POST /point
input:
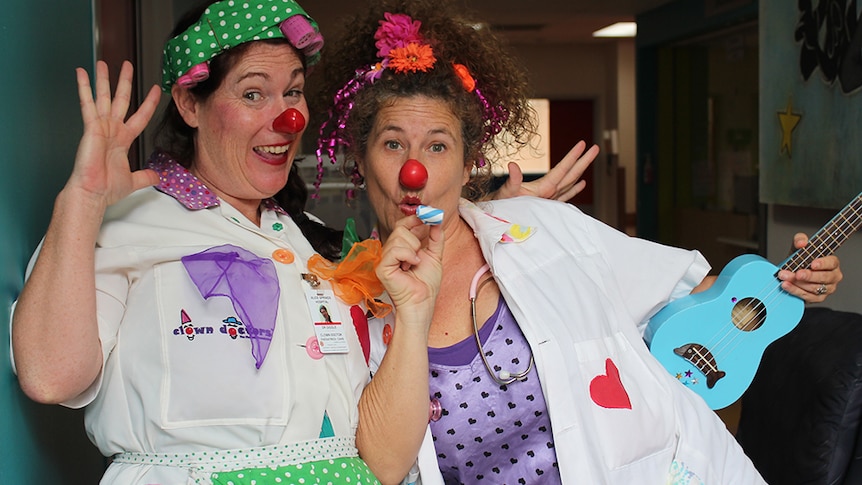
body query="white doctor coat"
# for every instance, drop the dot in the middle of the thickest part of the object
(582, 293)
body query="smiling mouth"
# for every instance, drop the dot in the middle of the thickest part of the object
(408, 205)
(273, 149)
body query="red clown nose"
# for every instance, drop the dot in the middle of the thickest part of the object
(413, 175)
(291, 121)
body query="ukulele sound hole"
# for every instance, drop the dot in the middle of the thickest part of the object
(748, 314)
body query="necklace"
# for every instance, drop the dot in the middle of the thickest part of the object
(503, 377)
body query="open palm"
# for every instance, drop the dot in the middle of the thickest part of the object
(102, 163)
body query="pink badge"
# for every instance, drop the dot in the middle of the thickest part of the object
(387, 334)
(313, 348)
(436, 411)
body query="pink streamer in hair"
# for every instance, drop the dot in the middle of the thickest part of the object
(332, 130)
(495, 117)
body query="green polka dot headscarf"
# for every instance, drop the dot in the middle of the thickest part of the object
(228, 23)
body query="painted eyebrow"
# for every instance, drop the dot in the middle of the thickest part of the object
(441, 131)
(435, 131)
(254, 74)
(394, 128)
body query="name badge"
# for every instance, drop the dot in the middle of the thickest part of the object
(328, 327)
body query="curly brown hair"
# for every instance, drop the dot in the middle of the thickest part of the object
(455, 39)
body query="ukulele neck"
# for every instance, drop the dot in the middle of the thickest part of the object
(827, 240)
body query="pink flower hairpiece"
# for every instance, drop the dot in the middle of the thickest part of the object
(400, 47)
(396, 31)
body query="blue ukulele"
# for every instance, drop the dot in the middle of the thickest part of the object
(713, 341)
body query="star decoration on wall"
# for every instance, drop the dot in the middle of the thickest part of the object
(788, 120)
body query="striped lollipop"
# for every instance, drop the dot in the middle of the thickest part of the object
(429, 215)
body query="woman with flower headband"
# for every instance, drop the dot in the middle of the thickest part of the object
(533, 360)
(194, 333)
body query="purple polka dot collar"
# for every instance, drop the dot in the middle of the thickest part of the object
(176, 181)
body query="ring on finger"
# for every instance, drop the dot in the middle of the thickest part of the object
(821, 289)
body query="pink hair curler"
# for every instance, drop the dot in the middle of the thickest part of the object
(291, 121)
(299, 31)
(194, 75)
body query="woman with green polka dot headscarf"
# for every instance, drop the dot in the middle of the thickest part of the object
(187, 379)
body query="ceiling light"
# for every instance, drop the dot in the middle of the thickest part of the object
(619, 29)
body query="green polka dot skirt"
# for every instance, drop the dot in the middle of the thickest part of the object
(325, 472)
(332, 460)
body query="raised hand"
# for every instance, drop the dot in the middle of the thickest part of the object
(101, 168)
(411, 269)
(560, 183)
(55, 334)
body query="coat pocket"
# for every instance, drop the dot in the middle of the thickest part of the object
(630, 416)
(209, 373)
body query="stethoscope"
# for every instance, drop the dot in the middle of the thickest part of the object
(504, 377)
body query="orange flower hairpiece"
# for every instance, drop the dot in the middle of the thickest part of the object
(466, 78)
(411, 58)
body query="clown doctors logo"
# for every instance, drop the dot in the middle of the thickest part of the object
(233, 328)
(230, 327)
(187, 327)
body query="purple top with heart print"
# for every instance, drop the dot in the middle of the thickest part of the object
(487, 432)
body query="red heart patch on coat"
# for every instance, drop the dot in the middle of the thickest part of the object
(607, 390)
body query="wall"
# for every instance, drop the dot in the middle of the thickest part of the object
(627, 119)
(157, 18)
(685, 19)
(39, 129)
(810, 115)
(656, 94)
(604, 72)
(822, 167)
